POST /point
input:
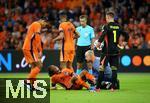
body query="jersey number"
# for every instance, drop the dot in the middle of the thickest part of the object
(115, 34)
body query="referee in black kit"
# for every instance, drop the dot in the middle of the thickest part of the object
(110, 53)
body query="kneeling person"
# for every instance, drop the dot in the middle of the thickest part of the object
(93, 62)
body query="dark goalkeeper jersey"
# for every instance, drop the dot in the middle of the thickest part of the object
(110, 34)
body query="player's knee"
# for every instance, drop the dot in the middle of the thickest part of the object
(33, 65)
(83, 74)
(39, 65)
(36, 64)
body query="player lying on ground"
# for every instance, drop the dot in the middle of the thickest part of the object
(69, 80)
(32, 48)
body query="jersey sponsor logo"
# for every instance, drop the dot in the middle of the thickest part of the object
(114, 27)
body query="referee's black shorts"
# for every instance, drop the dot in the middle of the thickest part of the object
(80, 53)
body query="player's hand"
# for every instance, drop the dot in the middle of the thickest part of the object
(120, 46)
(53, 88)
(53, 40)
(40, 55)
(124, 43)
(92, 46)
(97, 45)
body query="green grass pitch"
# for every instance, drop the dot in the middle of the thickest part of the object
(134, 88)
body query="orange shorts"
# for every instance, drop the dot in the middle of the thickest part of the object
(30, 56)
(67, 55)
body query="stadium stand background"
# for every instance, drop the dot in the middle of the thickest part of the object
(17, 15)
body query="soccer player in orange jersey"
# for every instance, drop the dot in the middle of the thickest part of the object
(67, 34)
(68, 79)
(62, 77)
(32, 48)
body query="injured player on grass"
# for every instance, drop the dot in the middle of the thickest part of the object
(69, 80)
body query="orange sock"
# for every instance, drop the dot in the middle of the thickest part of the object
(33, 73)
(89, 76)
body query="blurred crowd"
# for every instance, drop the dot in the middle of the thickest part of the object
(17, 15)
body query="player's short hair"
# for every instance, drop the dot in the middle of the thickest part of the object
(110, 13)
(44, 18)
(90, 52)
(83, 17)
(52, 69)
(63, 14)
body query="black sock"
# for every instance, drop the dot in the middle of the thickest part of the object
(114, 78)
(100, 79)
(91, 83)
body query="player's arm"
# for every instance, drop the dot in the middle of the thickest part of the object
(104, 32)
(125, 36)
(40, 48)
(92, 36)
(59, 37)
(55, 80)
(76, 34)
(102, 37)
(53, 86)
(61, 33)
(92, 43)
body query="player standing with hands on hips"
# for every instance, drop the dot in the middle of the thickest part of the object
(84, 42)
(111, 33)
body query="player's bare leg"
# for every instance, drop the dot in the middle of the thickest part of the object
(63, 64)
(69, 65)
(85, 74)
(35, 69)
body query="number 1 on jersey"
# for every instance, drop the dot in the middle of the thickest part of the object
(115, 34)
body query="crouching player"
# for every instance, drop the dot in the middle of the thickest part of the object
(69, 80)
(93, 62)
